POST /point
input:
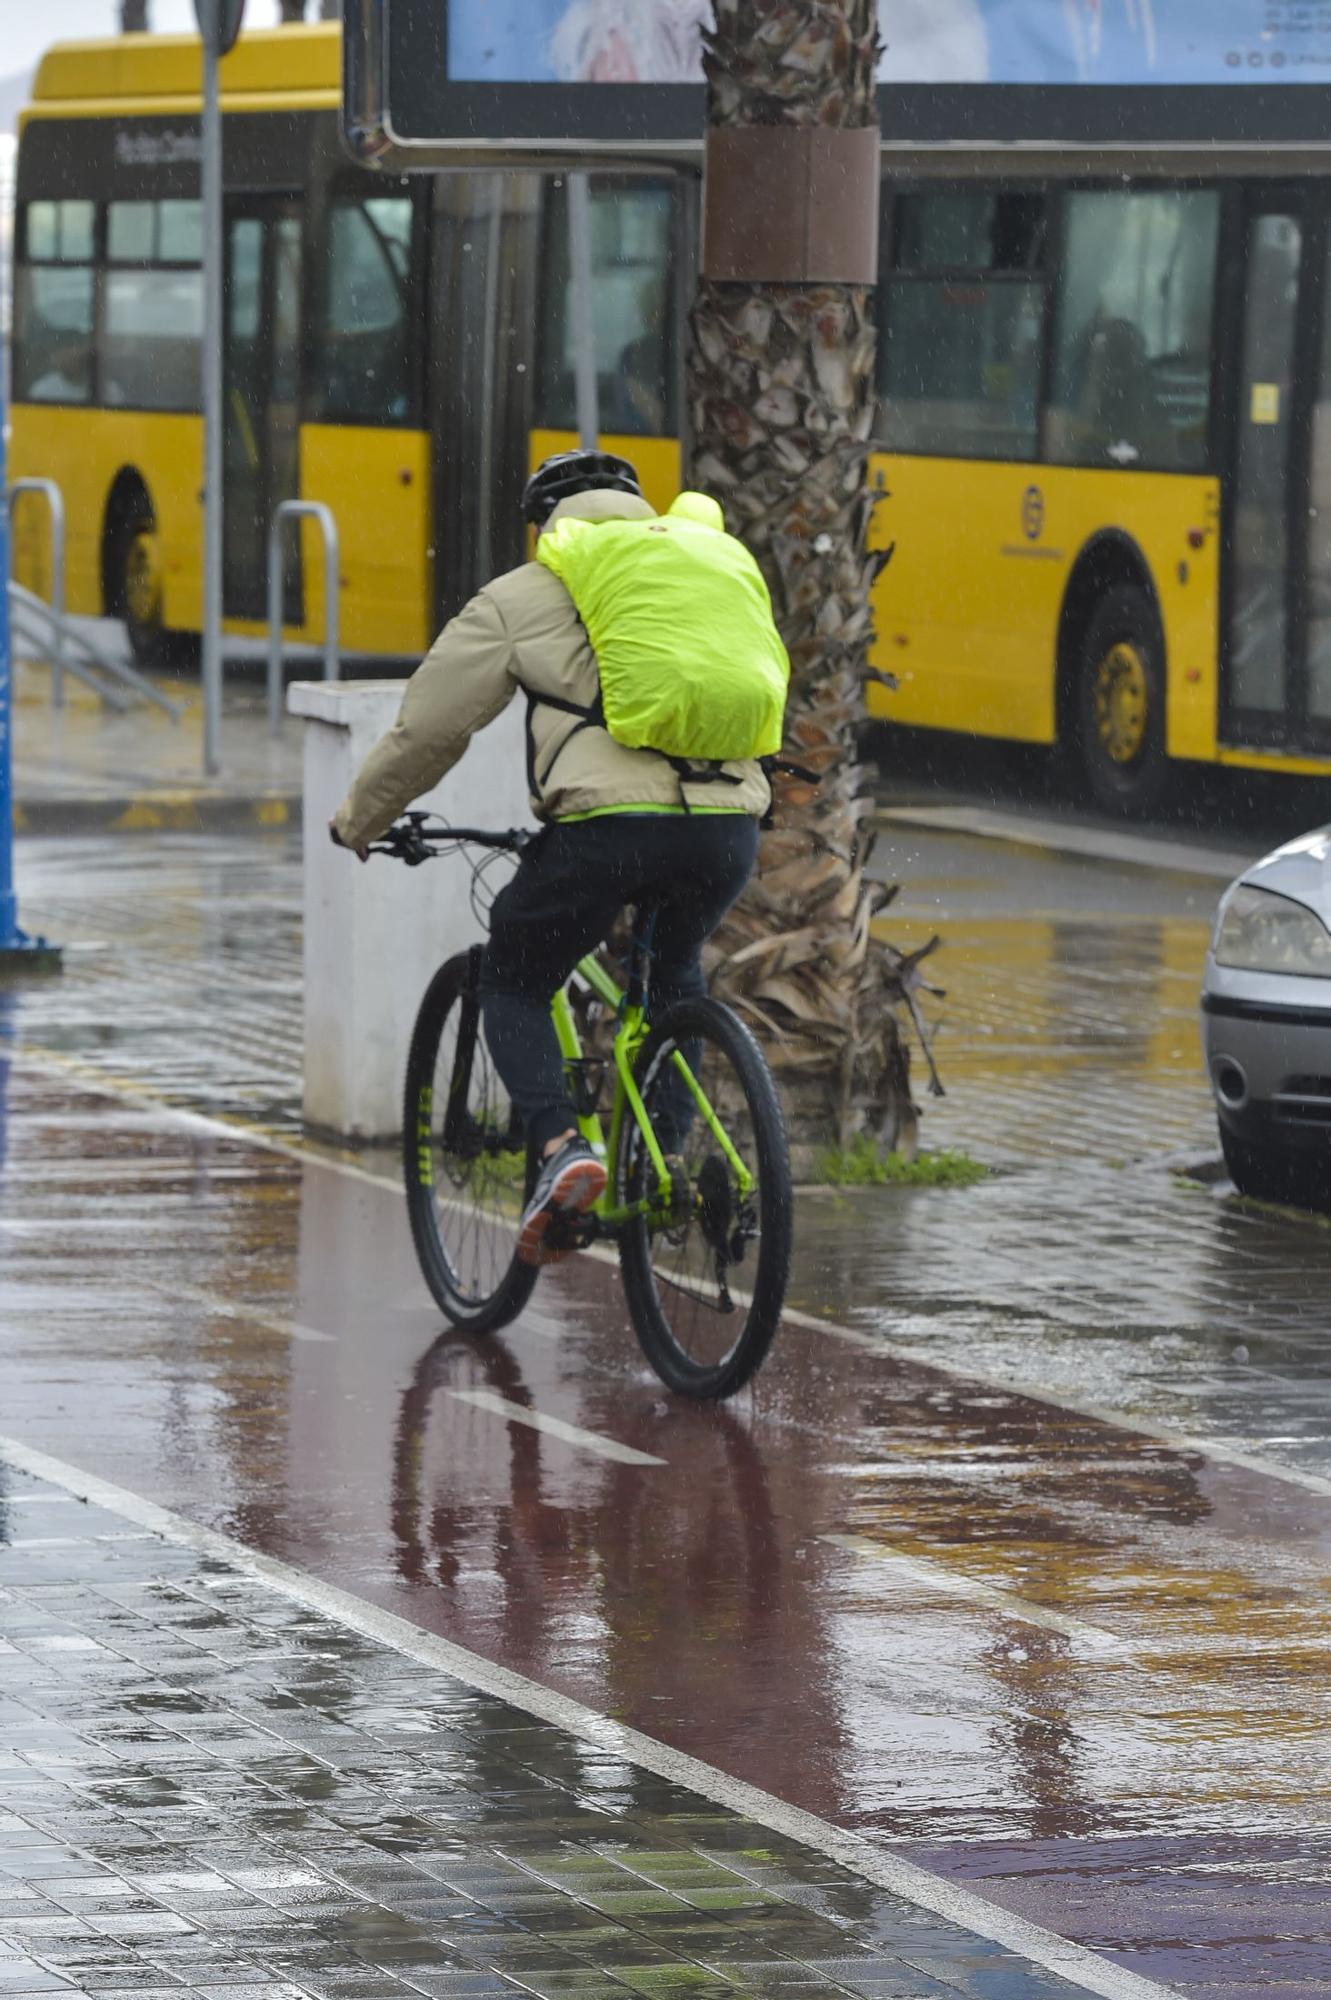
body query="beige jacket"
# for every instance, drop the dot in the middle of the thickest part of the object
(521, 634)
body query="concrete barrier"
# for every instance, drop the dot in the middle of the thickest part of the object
(376, 934)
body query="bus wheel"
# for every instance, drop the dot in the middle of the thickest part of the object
(136, 581)
(1120, 704)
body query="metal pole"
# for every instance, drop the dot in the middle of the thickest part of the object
(11, 937)
(584, 325)
(54, 499)
(275, 624)
(319, 512)
(16, 948)
(332, 605)
(212, 412)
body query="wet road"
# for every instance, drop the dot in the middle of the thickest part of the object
(1079, 1662)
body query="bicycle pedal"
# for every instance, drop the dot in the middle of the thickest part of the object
(569, 1233)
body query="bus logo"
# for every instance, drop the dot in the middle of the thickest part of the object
(1032, 513)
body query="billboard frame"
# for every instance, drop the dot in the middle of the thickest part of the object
(553, 124)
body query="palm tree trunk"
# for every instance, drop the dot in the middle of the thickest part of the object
(782, 396)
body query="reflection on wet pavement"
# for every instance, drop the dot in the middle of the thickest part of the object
(1069, 1028)
(1080, 1663)
(208, 1787)
(926, 1608)
(1140, 1292)
(182, 969)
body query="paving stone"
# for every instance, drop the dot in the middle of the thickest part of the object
(436, 1843)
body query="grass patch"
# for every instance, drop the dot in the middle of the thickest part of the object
(862, 1165)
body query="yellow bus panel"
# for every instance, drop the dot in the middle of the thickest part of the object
(968, 610)
(377, 483)
(268, 70)
(83, 451)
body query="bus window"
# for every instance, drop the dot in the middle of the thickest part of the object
(152, 318)
(1132, 350)
(1260, 579)
(1319, 536)
(362, 363)
(959, 369)
(632, 312)
(53, 304)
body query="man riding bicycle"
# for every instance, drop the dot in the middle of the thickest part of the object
(623, 823)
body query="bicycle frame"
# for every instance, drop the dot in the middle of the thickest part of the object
(629, 1038)
(414, 840)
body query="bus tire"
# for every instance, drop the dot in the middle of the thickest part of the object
(134, 577)
(1119, 703)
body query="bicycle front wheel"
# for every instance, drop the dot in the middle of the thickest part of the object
(705, 1274)
(465, 1161)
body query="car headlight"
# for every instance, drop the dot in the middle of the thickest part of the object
(1259, 931)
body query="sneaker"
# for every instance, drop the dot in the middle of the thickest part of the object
(570, 1182)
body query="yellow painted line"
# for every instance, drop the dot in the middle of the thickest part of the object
(938, 1578)
(537, 1420)
(290, 1329)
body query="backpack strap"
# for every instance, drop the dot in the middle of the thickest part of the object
(592, 717)
(696, 771)
(789, 770)
(770, 767)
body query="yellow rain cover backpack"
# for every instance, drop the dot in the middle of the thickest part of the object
(679, 618)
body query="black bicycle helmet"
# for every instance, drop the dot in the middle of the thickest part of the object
(569, 472)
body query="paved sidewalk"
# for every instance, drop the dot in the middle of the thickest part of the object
(207, 1788)
(84, 768)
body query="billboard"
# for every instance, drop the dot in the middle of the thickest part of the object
(429, 81)
(1044, 42)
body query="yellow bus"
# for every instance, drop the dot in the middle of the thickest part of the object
(399, 349)
(1105, 411)
(1108, 407)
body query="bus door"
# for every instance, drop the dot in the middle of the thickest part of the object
(1265, 679)
(260, 395)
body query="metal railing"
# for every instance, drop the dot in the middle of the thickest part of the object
(108, 678)
(296, 510)
(55, 503)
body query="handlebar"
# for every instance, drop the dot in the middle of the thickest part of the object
(419, 836)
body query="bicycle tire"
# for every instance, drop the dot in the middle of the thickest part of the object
(659, 1284)
(464, 1203)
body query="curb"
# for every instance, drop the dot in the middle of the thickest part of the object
(153, 812)
(1123, 848)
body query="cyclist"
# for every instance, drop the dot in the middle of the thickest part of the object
(621, 825)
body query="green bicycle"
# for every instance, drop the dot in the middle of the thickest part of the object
(698, 1194)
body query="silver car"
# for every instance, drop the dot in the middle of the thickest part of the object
(1266, 1024)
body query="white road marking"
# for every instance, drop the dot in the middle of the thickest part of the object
(289, 1329)
(1123, 1420)
(888, 1871)
(937, 1577)
(537, 1420)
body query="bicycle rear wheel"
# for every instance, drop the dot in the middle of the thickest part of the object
(705, 1284)
(464, 1159)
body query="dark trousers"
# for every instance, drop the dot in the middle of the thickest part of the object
(571, 885)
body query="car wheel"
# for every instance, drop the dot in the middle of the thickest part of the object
(1266, 1173)
(1119, 703)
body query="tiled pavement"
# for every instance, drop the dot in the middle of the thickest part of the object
(85, 767)
(1059, 1040)
(206, 1788)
